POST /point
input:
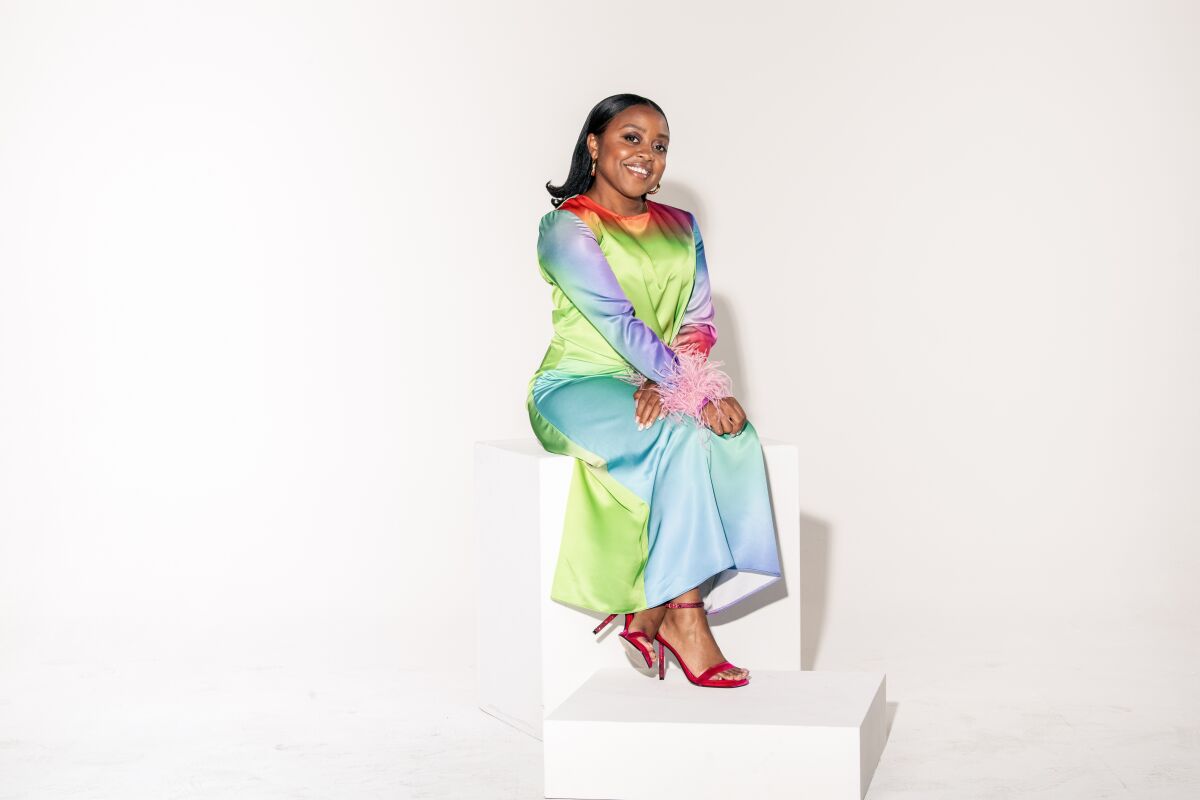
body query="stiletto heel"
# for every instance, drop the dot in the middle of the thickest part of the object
(704, 678)
(631, 637)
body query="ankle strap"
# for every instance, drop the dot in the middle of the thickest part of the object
(685, 605)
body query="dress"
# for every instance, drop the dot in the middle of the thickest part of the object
(650, 513)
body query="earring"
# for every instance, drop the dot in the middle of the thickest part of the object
(593, 166)
(655, 189)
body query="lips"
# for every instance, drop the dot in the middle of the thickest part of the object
(639, 171)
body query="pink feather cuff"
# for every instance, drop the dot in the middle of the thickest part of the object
(693, 382)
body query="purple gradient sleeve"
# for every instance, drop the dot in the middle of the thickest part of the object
(570, 255)
(698, 331)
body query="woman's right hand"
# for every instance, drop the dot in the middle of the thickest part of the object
(648, 406)
(724, 416)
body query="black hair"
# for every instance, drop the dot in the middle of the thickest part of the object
(579, 178)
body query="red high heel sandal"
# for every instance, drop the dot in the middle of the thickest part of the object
(704, 678)
(631, 637)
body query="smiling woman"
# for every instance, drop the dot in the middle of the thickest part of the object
(668, 517)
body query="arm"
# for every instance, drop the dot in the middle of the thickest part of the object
(699, 381)
(572, 258)
(697, 331)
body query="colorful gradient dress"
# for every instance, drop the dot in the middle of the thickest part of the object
(650, 513)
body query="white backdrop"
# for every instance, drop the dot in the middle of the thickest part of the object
(267, 271)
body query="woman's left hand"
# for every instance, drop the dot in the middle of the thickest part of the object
(724, 416)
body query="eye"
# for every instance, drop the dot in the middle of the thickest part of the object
(662, 147)
(631, 136)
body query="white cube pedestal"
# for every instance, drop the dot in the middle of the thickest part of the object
(520, 505)
(784, 735)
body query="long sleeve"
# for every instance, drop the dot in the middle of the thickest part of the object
(697, 331)
(571, 257)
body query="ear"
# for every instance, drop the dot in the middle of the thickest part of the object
(593, 146)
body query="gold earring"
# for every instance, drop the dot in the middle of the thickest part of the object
(655, 189)
(593, 166)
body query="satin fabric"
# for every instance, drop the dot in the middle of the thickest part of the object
(650, 513)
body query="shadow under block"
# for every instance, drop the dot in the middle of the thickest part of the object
(786, 734)
(533, 651)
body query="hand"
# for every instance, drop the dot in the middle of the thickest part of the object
(724, 416)
(648, 408)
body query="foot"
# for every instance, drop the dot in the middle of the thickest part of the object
(647, 621)
(688, 632)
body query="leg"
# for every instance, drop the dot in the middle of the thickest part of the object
(687, 629)
(670, 472)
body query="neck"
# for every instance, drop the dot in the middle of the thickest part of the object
(614, 201)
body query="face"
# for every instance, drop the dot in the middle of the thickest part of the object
(631, 153)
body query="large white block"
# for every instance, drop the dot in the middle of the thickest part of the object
(520, 505)
(784, 735)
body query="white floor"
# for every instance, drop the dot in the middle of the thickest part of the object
(1120, 718)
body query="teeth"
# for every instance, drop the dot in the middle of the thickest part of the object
(639, 170)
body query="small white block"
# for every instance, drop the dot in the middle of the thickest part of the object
(787, 734)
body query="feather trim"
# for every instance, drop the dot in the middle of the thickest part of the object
(632, 377)
(694, 381)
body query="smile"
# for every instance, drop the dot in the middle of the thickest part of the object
(639, 170)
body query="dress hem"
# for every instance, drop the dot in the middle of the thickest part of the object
(777, 576)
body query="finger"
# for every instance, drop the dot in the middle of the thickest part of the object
(654, 407)
(653, 402)
(734, 416)
(718, 417)
(645, 408)
(639, 411)
(731, 423)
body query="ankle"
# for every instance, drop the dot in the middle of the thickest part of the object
(687, 620)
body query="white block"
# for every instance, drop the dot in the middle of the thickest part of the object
(520, 505)
(786, 734)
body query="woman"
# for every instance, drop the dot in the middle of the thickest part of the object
(668, 517)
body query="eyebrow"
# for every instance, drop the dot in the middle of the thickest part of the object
(643, 130)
